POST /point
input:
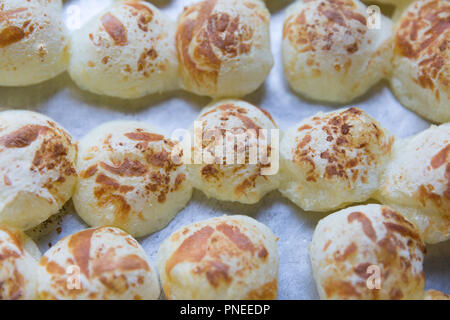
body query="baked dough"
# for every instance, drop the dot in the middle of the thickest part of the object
(19, 257)
(354, 247)
(421, 76)
(436, 295)
(97, 264)
(37, 168)
(417, 182)
(330, 54)
(128, 178)
(243, 181)
(226, 258)
(224, 47)
(126, 51)
(331, 160)
(33, 41)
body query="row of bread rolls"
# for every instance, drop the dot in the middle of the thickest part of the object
(230, 257)
(127, 174)
(218, 48)
(220, 258)
(131, 49)
(221, 48)
(330, 53)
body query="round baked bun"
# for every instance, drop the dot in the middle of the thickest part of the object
(126, 51)
(33, 41)
(367, 252)
(129, 179)
(224, 47)
(19, 257)
(97, 264)
(422, 59)
(333, 159)
(417, 182)
(436, 295)
(226, 258)
(330, 53)
(242, 178)
(37, 168)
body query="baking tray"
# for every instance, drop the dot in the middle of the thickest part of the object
(79, 112)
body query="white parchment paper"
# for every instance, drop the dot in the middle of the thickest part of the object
(79, 112)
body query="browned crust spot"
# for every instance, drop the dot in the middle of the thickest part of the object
(114, 27)
(23, 137)
(267, 291)
(128, 168)
(365, 222)
(441, 157)
(236, 236)
(144, 136)
(193, 249)
(10, 35)
(80, 246)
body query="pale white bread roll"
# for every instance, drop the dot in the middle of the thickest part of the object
(436, 295)
(241, 180)
(224, 47)
(19, 258)
(417, 182)
(37, 168)
(421, 75)
(330, 53)
(352, 248)
(225, 258)
(97, 264)
(33, 41)
(126, 51)
(333, 159)
(128, 178)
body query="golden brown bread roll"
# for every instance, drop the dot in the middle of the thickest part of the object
(231, 257)
(417, 182)
(128, 178)
(37, 168)
(224, 47)
(244, 181)
(97, 264)
(126, 51)
(331, 160)
(367, 252)
(421, 75)
(19, 258)
(330, 53)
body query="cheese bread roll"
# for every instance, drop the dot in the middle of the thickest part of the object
(333, 159)
(126, 51)
(367, 252)
(417, 182)
(421, 76)
(224, 47)
(37, 168)
(97, 264)
(33, 41)
(234, 125)
(329, 51)
(19, 257)
(226, 258)
(129, 178)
